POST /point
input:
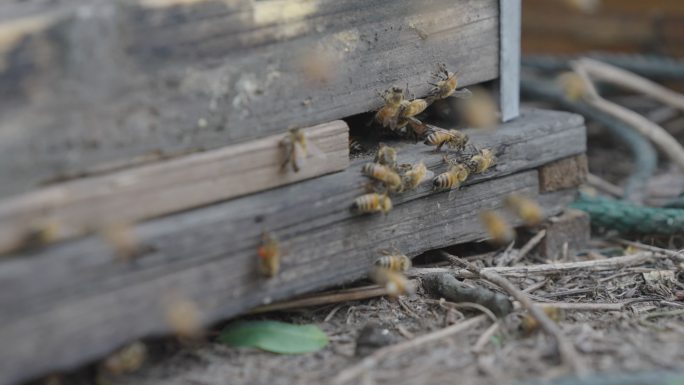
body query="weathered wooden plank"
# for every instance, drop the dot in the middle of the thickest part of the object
(73, 301)
(84, 205)
(88, 84)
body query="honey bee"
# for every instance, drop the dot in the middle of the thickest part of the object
(525, 208)
(500, 232)
(373, 203)
(415, 176)
(386, 156)
(388, 114)
(446, 85)
(298, 149)
(184, 317)
(529, 324)
(389, 177)
(269, 255)
(411, 108)
(452, 178)
(482, 161)
(393, 260)
(480, 110)
(122, 238)
(126, 360)
(418, 128)
(452, 138)
(394, 282)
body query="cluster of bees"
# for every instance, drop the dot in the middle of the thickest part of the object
(399, 114)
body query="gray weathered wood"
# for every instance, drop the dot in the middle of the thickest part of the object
(74, 301)
(84, 205)
(89, 85)
(509, 60)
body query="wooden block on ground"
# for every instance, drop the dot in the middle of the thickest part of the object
(75, 208)
(572, 227)
(84, 84)
(74, 301)
(564, 173)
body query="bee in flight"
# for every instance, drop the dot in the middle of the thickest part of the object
(373, 203)
(482, 161)
(269, 255)
(393, 260)
(414, 176)
(525, 208)
(452, 178)
(386, 156)
(298, 149)
(454, 139)
(500, 232)
(384, 174)
(122, 238)
(446, 85)
(388, 114)
(394, 282)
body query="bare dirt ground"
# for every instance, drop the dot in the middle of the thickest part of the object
(647, 334)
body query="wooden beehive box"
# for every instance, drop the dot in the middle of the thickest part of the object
(168, 114)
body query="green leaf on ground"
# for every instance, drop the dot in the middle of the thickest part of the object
(274, 336)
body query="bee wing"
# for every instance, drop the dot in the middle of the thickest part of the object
(314, 151)
(463, 93)
(299, 156)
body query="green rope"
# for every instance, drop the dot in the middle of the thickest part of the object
(626, 217)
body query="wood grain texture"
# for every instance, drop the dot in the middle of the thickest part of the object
(572, 227)
(87, 85)
(128, 196)
(563, 173)
(73, 301)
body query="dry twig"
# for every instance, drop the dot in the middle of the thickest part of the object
(582, 306)
(546, 269)
(369, 362)
(565, 348)
(604, 186)
(484, 338)
(325, 298)
(527, 247)
(679, 255)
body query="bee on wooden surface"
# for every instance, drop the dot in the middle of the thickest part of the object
(122, 238)
(500, 232)
(394, 282)
(184, 317)
(452, 178)
(386, 156)
(269, 255)
(373, 203)
(454, 139)
(298, 149)
(411, 108)
(414, 176)
(384, 174)
(418, 128)
(525, 208)
(482, 161)
(529, 323)
(388, 114)
(355, 147)
(126, 360)
(393, 260)
(446, 85)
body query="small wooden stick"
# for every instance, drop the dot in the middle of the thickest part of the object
(369, 362)
(565, 348)
(484, 338)
(674, 254)
(325, 298)
(581, 306)
(549, 268)
(527, 247)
